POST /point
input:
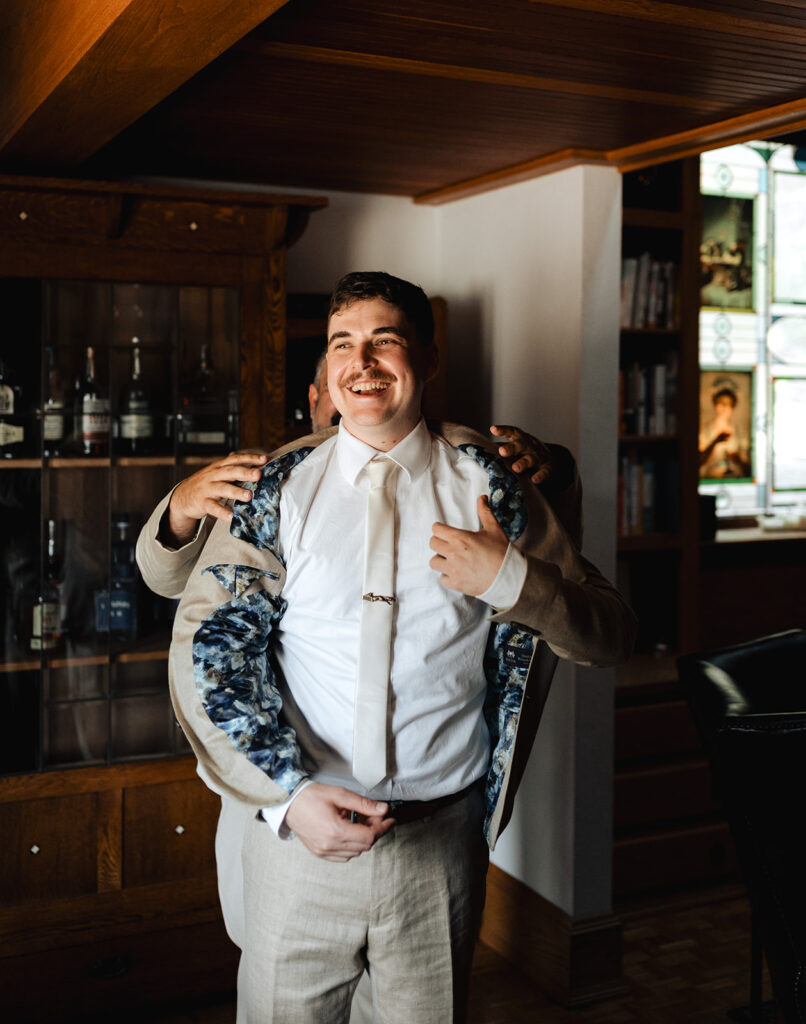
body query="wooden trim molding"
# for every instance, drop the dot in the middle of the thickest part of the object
(573, 960)
(548, 164)
(786, 117)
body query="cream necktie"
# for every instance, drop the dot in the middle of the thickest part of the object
(377, 615)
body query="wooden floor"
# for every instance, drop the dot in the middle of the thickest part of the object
(685, 962)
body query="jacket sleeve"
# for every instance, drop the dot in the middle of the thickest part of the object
(167, 570)
(223, 676)
(565, 599)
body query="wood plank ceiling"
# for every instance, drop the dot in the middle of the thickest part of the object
(431, 98)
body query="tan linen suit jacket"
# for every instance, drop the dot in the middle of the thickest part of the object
(565, 602)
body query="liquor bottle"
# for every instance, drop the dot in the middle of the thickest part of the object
(46, 626)
(123, 591)
(54, 418)
(233, 420)
(116, 605)
(204, 410)
(92, 411)
(136, 420)
(12, 429)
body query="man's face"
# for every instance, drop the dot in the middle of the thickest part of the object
(376, 370)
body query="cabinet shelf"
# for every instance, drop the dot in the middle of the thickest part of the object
(79, 462)
(648, 438)
(20, 463)
(656, 333)
(650, 542)
(640, 217)
(145, 460)
(157, 653)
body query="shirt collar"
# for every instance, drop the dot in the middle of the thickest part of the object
(412, 454)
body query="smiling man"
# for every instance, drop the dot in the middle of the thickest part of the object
(347, 866)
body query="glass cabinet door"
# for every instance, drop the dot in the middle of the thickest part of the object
(109, 394)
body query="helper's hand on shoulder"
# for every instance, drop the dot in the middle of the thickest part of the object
(320, 818)
(523, 453)
(201, 494)
(468, 560)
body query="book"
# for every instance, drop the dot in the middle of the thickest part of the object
(629, 271)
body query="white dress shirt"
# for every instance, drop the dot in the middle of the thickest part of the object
(439, 742)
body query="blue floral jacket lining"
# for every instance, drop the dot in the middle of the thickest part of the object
(235, 673)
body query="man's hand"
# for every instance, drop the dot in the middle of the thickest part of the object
(320, 818)
(469, 561)
(202, 494)
(523, 452)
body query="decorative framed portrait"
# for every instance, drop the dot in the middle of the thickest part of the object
(726, 424)
(726, 253)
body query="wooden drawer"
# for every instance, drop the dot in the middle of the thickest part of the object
(168, 832)
(669, 858)
(110, 980)
(664, 793)
(37, 217)
(655, 730)
(204, 227)
(49, 848)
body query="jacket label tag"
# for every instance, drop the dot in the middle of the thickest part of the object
(517, 657)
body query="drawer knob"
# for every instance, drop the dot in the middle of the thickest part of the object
(23, 215)
(180, 829)
(35, 848)
(193, 226)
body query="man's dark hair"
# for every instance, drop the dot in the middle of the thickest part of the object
(409, 298)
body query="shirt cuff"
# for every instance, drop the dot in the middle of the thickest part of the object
(275, 815)
(506, 588)
(163, 531)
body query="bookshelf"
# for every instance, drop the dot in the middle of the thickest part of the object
(667, 828)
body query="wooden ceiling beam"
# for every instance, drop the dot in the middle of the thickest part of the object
(74, 75)
(464, 73)
(686, 17)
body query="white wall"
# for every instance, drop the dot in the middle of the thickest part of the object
(531, 276)
(366, 232)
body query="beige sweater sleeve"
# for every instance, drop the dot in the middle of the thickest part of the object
(166, 570)
(565, 599)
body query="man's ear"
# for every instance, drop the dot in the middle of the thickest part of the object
(313, 398)
(430, 363)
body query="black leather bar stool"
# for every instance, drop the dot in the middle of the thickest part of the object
(749, 704)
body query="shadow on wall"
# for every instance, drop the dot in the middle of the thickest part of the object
(469, 391)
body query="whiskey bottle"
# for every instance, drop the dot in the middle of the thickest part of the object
(136, 420)
(204, 411)
(116, 607)
(12, 429)
(46, 626)
(54, 418)
(92, 411)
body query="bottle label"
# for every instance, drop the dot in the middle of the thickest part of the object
(53, 426)
(122, 612)
(211, 437)
(95, 419)
(116, 611)
(6, 400)
(46, 626)
(9, 434)
(136, 425)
